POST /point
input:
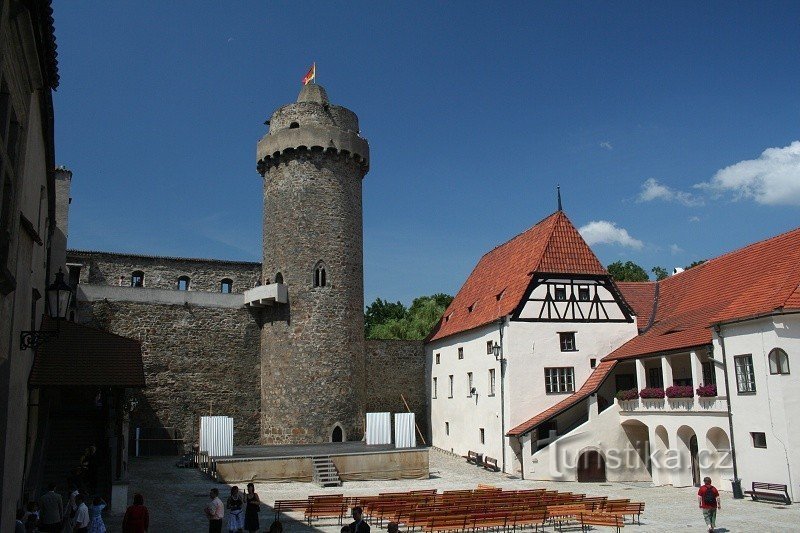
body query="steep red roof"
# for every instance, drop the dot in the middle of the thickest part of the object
(755, 280)
(589, 387)
(82, 355)
(499, 280)
(640, 296)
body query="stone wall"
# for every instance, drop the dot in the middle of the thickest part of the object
(197, 361)
(395, 368)
(102, 268)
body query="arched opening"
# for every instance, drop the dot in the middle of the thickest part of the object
(137, 278)
(718, 464)
(591, 467)
(638, 436)
(695, 463)
(778, 362)
(278, 278)
(294, 125)
(320, 275)
(226, 286)
(337, 435)
(183, 283)
(661, 457)
(687, 471)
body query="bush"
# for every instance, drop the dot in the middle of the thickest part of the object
(707, 391)
(651, 392)
(680, 391)
(625, 395)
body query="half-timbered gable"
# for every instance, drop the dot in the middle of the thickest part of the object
(564, 298)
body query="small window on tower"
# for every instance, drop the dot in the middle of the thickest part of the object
(320, 276)
(137, 278)
(278, 278)
(226, 286)
(183, 283)
(294, 125)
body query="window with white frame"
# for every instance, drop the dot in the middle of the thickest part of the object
(451, 386)
(435, 386)
(491, 382)
(559, 379)
(745, 376)
(778, 362)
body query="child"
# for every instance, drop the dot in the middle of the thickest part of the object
(96, 514)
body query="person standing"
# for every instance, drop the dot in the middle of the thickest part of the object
(252, 509)
(358, 525)
(708, 498)
(96, 516)
(137, 517)
(51, 510)
(215, 512)
(80, 524)
(235, 511)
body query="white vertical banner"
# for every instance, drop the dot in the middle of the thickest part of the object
(216, 435)
(404, 435)
(379, 428)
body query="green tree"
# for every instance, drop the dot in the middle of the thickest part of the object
(659, 272)
(380, 312)
(695, 263)
(628, 271)
(416, 323)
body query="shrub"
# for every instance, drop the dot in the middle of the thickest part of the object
(707, 391)
(651, 392)
(680, 391)
(630, 394)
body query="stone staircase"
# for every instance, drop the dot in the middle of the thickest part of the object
(325, 473)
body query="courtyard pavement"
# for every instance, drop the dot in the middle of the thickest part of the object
(176, 497)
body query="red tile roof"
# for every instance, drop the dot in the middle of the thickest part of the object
(500, 279)
(589, 387)
(640, 296)
(82, 355)
(755, 280)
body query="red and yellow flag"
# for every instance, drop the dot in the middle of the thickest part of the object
(311, 74)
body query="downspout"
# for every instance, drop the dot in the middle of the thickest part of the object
(736, 483)
(502, 397)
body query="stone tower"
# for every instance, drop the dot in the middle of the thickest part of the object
(312, 348)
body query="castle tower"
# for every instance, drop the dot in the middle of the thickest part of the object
(312, 348)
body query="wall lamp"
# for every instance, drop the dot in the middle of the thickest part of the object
(497, 350)
(59, 296)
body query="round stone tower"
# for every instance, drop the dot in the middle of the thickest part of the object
(312, 348)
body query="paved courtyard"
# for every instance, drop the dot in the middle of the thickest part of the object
(176, 496)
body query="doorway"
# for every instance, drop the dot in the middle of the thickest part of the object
(695, 462)
(591, 467)
(337, 436)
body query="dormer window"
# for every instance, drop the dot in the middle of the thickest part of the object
(470, 308)
(183, 283)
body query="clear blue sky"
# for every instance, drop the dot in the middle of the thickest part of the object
(474, 113)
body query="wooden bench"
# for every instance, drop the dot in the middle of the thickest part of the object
(769, 491)
(632, 509)
(600, 519)
(490, 463)
(283, 506)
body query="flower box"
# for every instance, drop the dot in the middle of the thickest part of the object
(707, 391)
(680, 391)
(626, 395)
(651, 393)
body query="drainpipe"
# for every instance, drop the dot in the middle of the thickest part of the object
(502, 396)
(736, 483)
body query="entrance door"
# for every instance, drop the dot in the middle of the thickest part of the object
(336, 436)
(695, 463)
(591, 467)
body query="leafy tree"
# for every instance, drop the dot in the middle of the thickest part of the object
(628, 271)
(695, 263)
(380, 312)
(415, 323)
(660, 272)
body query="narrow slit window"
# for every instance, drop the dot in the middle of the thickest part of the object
(320, 275)
(183, 283)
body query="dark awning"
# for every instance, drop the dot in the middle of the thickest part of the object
(82, 355)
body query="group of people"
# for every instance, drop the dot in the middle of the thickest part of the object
(51, 515)
(242, 511)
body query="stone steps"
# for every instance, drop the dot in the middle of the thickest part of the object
(325, 473)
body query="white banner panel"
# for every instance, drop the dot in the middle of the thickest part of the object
(379, 428)
(216, 435)
(404, 432)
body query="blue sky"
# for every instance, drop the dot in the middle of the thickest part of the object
(669, 126)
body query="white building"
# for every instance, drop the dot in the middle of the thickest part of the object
(732, 323)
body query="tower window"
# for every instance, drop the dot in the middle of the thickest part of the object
(137, 278)
(226, 286)
(320, 276)
(294, 125)
(278, 278)
(183, 283)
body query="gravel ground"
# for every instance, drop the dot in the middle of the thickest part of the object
(176, 496)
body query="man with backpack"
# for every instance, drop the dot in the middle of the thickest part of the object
(708, 498)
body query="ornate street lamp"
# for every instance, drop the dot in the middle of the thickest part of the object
(59, 296)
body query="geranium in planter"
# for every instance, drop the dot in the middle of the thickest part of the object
(680, 391)
(625, 395)
(651, 393)
(707, 391)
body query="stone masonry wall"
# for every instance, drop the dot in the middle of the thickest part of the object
(101, 268)
(395, 368)
(197, 361)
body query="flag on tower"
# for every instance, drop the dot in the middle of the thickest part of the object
(311, 74)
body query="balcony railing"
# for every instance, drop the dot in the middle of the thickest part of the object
(694, 405)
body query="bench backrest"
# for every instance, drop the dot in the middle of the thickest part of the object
(757, 485)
